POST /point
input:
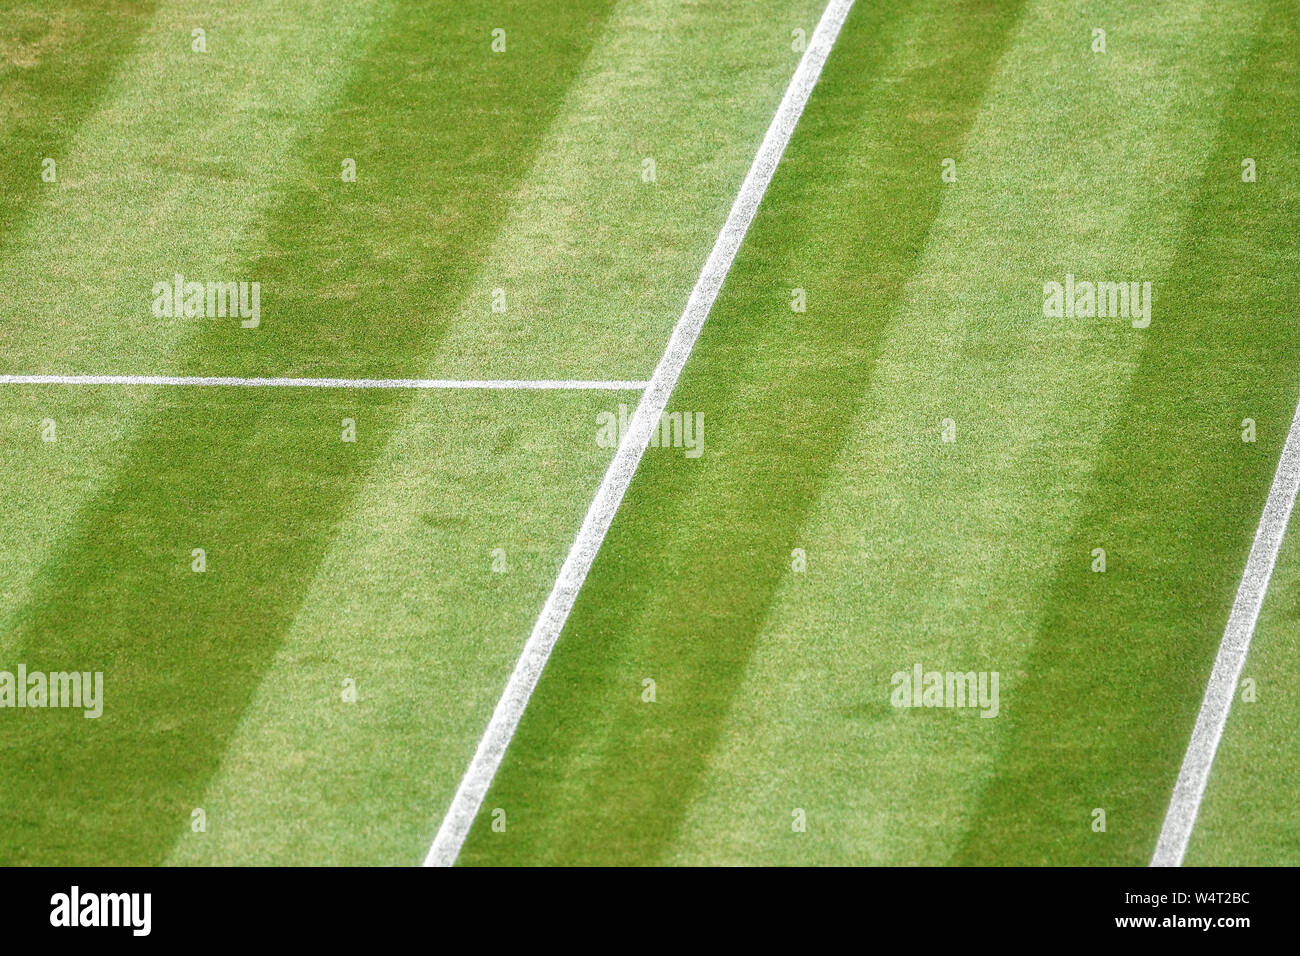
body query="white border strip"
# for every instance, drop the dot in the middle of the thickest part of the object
(1195, 773)
(514, 699)
(212, 381)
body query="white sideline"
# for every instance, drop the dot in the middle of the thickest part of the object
(233, 381)
(514, 699)
(1185, 803)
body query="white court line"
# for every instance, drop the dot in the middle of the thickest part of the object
(214, 381)
(1195, 773)
(514, 699)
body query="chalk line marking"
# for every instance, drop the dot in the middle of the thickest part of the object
(1185, 803)
(218, 381)
(514, 699)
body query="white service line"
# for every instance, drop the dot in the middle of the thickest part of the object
(1195, 772)
(213, 381)
(514, 699)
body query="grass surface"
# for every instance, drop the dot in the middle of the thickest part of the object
(372, 561)
(825, 434)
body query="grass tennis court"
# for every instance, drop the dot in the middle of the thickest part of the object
(305, 602)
